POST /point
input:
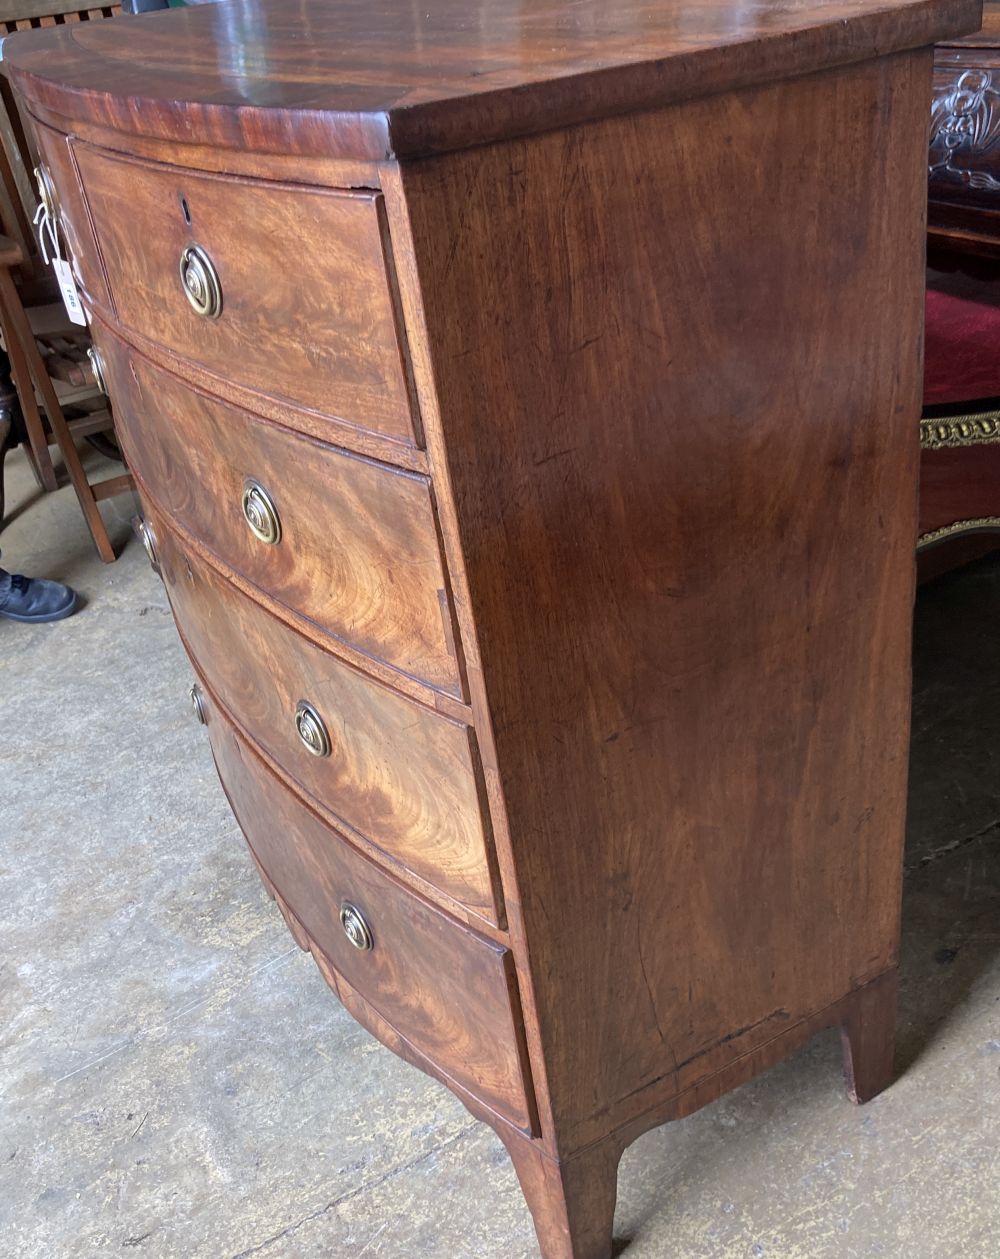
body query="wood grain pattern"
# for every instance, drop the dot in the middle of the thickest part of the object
(323, 428)
(572, 1202)
(402, 777)
(667, 361)
(378, 78)
(444, 988)
(307, 311)
(659, 468)
(359, 553)
(193, 153)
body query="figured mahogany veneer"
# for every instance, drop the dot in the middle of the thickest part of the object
(404, 778)
(309, 309)
(379, 78)
(448, 991)
(654, 748)
(359, 553)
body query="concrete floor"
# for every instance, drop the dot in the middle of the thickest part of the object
(177, 1081)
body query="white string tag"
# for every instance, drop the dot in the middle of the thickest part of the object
(48, 243)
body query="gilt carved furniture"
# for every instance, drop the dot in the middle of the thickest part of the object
(960, 431)
(964, 193)
(546, 578)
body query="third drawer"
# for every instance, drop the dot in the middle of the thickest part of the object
(405, 780)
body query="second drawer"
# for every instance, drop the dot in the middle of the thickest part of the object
(403, 778)
(349, 544)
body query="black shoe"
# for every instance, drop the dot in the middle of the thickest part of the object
(32, 599)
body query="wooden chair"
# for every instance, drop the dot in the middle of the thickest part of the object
(18, 199)
(33, 381)
(48, 353)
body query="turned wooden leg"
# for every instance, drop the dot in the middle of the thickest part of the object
(868, 1036)
(571, 1203)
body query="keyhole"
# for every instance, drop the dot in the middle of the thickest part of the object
(185, 211)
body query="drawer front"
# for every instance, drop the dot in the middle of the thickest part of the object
(357, 549)
(447, 991)
(403, 778)
(74, 222)
(307, 312)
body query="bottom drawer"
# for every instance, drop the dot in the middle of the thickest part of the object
(447, 992)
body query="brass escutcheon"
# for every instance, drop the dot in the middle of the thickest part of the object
(200, 282)
(355, 927)
(312, 729)
(260, 513)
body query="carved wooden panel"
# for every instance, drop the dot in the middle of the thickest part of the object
(964, 155)
(963, 163)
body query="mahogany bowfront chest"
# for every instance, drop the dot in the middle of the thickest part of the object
(523, 398)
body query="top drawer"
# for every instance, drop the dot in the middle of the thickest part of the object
(306, 312)
(73, 221)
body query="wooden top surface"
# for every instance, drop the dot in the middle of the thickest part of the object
(373, 79)
(989, 35)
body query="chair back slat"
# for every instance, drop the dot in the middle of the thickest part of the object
(20, 15)
(18, 152)
(47, 355)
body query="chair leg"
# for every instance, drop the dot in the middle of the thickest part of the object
(21, 333)
(38, 445)
(5, 441)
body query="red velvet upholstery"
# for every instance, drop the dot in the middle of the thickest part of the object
(961, 377)
(962, 339)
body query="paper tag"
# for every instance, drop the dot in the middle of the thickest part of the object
(70, 296)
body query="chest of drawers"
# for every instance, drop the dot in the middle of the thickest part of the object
(524, 404)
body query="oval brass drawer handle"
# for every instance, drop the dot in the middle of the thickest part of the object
(97, 366)
(355, 927)
(198, 704)
(260, 513)
(148, 539)
(47, 192)
(312, 729)
(200, 281)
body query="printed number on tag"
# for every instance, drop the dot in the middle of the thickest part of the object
(70, 294)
